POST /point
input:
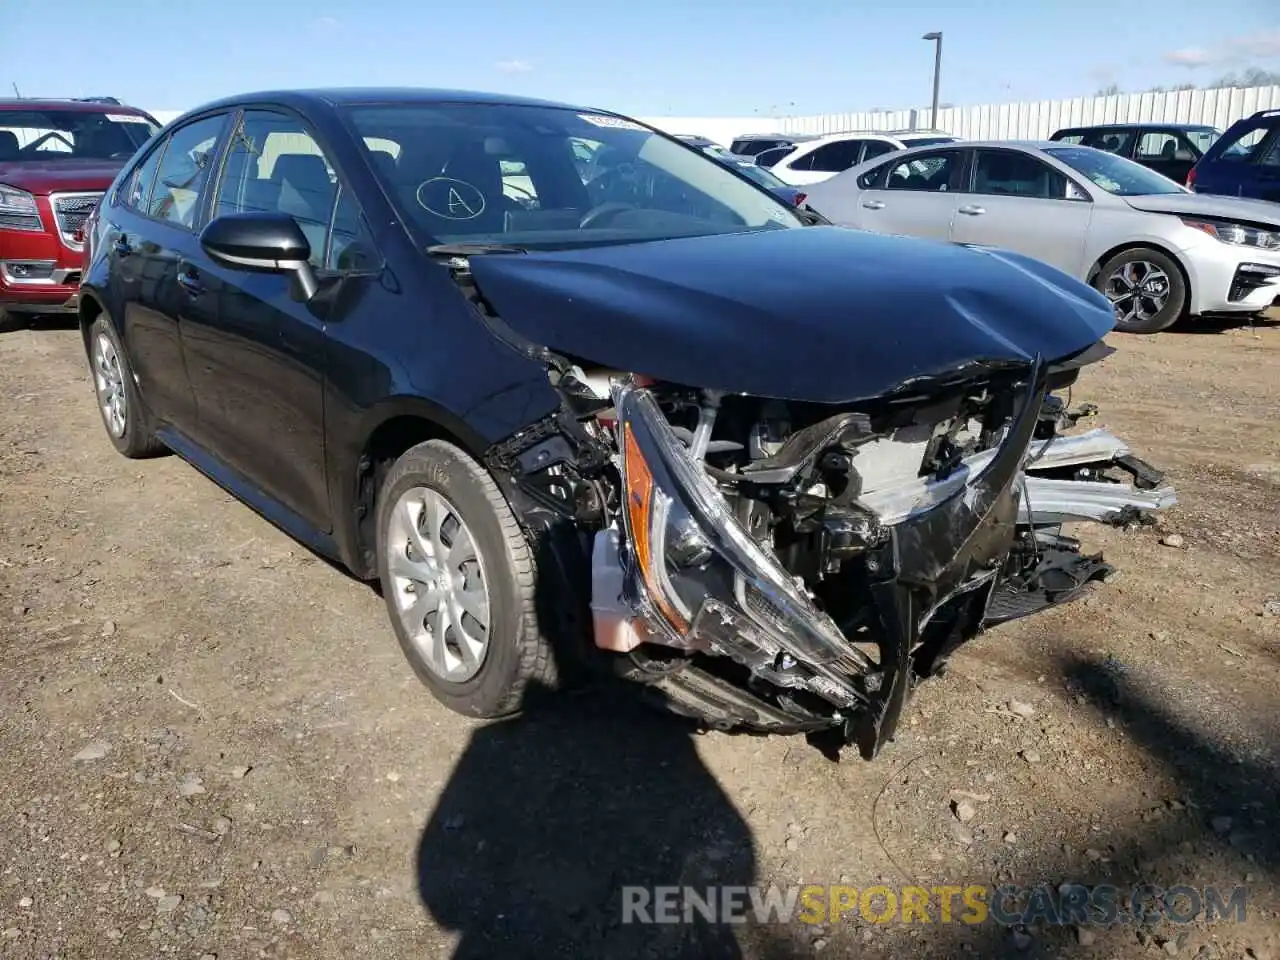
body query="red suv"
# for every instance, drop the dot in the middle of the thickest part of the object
(56, 159)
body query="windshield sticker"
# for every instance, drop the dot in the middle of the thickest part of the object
(615, 123)
(450, 198)
(126, 118)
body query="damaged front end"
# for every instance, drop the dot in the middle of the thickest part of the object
(788, 567)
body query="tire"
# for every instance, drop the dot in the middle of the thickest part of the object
(515, 655)
(133, 435)
(1133, 270)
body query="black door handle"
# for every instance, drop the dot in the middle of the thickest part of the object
(189, 280)
(121, 245)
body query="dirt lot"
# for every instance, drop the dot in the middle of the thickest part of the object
(212, 747)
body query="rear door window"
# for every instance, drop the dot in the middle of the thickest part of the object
(184, 171)
(1162, 145)
(833, 157)
(767, 158)
(1013, 174)
(930, 172)
(877, 148)
(137, 192)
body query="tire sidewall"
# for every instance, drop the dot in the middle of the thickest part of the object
(441, 467)
(136, 431)
(1173, 307)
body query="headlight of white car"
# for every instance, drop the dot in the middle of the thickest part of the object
(1237, 233)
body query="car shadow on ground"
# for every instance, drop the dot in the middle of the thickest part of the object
(12, 322)
(1223, 324)
(549, 816)
(1214, 834)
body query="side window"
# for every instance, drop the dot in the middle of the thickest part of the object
(1244, 145)
(1162, 145)
(767, 158)
(184, 171)
(1119, 142)
(351, 246)
(877, 148)
(1012, 174)
(835, 157)
(928, 172)
(137, 192)
(1272, 157)
(1072, 138)
(275, 166)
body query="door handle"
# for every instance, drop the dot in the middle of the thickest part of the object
(121, 245)
(972, 210)
(189, 280)
(873, 204)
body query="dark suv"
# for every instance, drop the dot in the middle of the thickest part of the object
(1168, 148)
(1245, 162)
(650, 419)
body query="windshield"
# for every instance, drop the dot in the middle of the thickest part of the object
(53, 135)
(1114, 174)
(535, 176)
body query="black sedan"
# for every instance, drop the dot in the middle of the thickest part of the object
(649, 419)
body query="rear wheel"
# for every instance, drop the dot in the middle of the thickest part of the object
(1146, 289)
(128, 422)
(459, 581)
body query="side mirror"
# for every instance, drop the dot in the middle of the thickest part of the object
(266, 242)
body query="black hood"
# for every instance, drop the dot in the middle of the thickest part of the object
(823, 314)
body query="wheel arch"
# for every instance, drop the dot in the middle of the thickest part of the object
(88, 311)
(1169, 252)
(387, 431)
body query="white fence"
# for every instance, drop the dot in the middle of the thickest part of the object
(1029, 120)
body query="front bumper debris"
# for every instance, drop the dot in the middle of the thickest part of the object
(681, 572)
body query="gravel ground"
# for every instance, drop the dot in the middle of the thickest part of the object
(211, 746)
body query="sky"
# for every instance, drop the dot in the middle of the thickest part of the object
(642, 57)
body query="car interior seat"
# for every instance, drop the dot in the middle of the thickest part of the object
(9, 148)
(306, 193)
(1169, 151)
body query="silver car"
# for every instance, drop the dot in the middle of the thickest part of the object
(1156, 250)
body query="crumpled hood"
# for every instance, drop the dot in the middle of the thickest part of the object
(824, 314)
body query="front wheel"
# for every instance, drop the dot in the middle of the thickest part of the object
(1146, 289)
(459, 581)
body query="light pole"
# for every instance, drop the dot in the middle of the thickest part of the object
(935, 36)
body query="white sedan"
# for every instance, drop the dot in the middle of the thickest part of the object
(1156, 250)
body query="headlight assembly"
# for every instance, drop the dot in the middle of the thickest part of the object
(18, 210)
(1236, 233)
(706, 584)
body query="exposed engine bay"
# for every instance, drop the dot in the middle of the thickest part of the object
(789, 566)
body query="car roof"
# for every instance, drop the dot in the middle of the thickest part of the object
(76, 106)
(357, 96)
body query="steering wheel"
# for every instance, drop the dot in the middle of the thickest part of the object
(602, 212)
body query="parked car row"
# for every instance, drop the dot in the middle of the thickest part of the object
(1243, 162)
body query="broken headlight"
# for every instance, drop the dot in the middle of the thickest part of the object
(703, 582)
